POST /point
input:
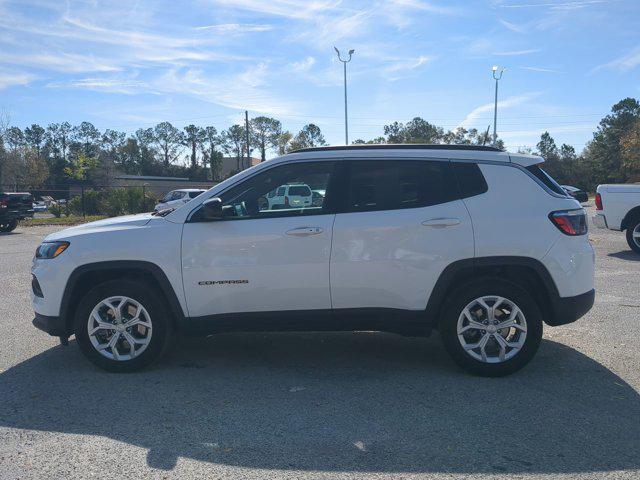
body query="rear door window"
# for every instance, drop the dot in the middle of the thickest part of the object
(398, 184)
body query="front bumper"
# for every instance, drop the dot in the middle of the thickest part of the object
(569, 309)
(599, 220)
(54, 326)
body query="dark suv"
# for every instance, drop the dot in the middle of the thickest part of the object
(13, 208)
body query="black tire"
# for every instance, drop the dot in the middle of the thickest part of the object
(633, 224)
(10, 226)
(467, 293)
(161, 324)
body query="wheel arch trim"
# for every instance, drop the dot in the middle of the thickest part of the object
(132, 266)
(447, 280)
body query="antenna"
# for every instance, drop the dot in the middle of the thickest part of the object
(486, 135)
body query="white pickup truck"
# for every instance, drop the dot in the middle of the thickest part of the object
(618, 208)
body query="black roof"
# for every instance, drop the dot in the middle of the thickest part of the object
(401, 146)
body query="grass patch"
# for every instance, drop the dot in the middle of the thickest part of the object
(63, 221)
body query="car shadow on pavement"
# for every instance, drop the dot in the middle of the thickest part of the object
(364, 402)
(626, 255)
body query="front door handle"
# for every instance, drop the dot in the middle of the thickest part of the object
(304, 231)
(441, 222)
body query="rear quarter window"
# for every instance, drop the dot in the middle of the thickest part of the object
(546, 179)
(471, 182)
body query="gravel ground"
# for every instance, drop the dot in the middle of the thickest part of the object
(361, 405)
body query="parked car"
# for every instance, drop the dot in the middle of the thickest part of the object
(289, 196)
(13, 208)
(618, 208)
(576, 193)
(39, 206)
(176, 198)
(409, 239)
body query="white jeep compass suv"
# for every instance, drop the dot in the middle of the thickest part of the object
(474, 242)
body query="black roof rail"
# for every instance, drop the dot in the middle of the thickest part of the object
(400, 146)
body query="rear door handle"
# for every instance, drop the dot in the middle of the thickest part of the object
(441, 222)
(304, 231)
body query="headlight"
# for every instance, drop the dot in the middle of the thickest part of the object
(51, 249)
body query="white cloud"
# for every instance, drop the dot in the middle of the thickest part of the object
(296, 9)
(627, 62)
(61, 62)
(303, 65)
(247, 90)
(427, 7)
(127, 86)
(557, 5)
(540, 69)
(409, 63)
(10, 79)
(236, 28)
(513, 27)
(510, 102)
(516, 53)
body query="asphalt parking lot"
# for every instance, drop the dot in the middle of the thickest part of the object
(344, 405)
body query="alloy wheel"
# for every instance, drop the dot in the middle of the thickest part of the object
(119, 328)
(636, 235)
(492, 329)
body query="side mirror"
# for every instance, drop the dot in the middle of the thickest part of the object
(212, 209)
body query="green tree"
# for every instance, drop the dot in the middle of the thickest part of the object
(310, 136)
(34, 137)
(603, 155)
(81, 167)
(417, 130)
(283, 142)
(193, 138)
(630, 151)
(86, 139)
(234, 140)
(169, 140)
(211, 155)
(266, 132)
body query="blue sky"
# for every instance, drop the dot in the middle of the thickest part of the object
(131, 64)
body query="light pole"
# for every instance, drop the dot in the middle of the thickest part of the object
(496, 76)
(344, 64)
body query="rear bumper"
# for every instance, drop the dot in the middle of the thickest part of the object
(599, 220)
(54, 326)
(569, 309)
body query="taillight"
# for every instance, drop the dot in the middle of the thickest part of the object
(570, 222)
(598, 201)
(4, 203)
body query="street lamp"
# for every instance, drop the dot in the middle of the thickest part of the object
(496, 76)
(344, 64)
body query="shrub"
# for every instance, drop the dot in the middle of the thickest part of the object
(112, 202)
(56, 210)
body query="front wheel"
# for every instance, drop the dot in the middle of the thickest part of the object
(491, 327)
(122, 326)
(633, 235)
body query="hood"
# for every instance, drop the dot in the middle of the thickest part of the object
(115, 223)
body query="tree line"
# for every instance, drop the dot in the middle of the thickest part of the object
(61, 154)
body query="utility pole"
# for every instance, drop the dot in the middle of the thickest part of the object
(246, 127)
(344, 64)
(496, 76)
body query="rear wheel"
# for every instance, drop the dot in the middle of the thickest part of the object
(122, 326)
(491, 327)
(8, 226)
(633, 235)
